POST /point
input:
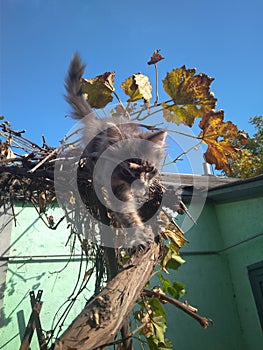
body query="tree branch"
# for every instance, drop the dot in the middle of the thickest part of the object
(204, 321)
(104, 316)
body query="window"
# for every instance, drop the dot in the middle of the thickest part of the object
(255, 273)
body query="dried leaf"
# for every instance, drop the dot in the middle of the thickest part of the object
(51, 221)
(218, 135)
(242, 137)
(42, 202)
(137, 87)
(121, 111)
(99, 89)
(156, 57)
(88, 274)
(174, 233)
(190, 93)
(5, 149)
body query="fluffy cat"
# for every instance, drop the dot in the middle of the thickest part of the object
(118, 156)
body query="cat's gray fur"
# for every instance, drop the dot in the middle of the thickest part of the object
(136, 155)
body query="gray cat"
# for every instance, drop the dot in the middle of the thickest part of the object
(119, 158)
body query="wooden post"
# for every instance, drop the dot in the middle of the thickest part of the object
(34, 323)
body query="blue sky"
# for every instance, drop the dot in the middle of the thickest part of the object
(38, 37)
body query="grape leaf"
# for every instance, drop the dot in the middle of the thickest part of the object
(218, 135)
(171, 258)
(166, 345)
(99, 89)
(156, 305)
(175, 289)
(190, 93)
(156, 57)
(159, 325)
(176, 235)
(137, 87)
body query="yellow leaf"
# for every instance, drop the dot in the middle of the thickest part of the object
(99, 89)
(178, 115)
(176, 235)
(218, 135)
(190, 93)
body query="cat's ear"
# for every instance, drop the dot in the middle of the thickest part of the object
(113, 133)
(157, 137)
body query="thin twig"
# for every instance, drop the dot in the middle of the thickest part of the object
(183, 154)
(44, 160)
(204, 321)
(120, 102)
(156, 84)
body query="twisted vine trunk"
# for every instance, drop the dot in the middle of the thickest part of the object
(112, 271)
(104, 316)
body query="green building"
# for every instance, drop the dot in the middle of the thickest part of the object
(223, 272)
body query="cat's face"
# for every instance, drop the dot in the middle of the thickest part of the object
(136, 173)
(126, 158)
(144, 154)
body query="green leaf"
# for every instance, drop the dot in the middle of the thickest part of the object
(166, 345)
(179, 115)
(157, 340)
(175, 289)
(190, 94)
(152, 344)
(157, 307)
(171, 257)
(159, 326)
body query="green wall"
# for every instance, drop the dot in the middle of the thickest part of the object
(216, 283)
(209, 288)
(239, 221)
(54, 275)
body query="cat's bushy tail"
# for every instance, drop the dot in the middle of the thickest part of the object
(73, 87)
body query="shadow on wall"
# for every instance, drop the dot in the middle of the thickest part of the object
(12, 288)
